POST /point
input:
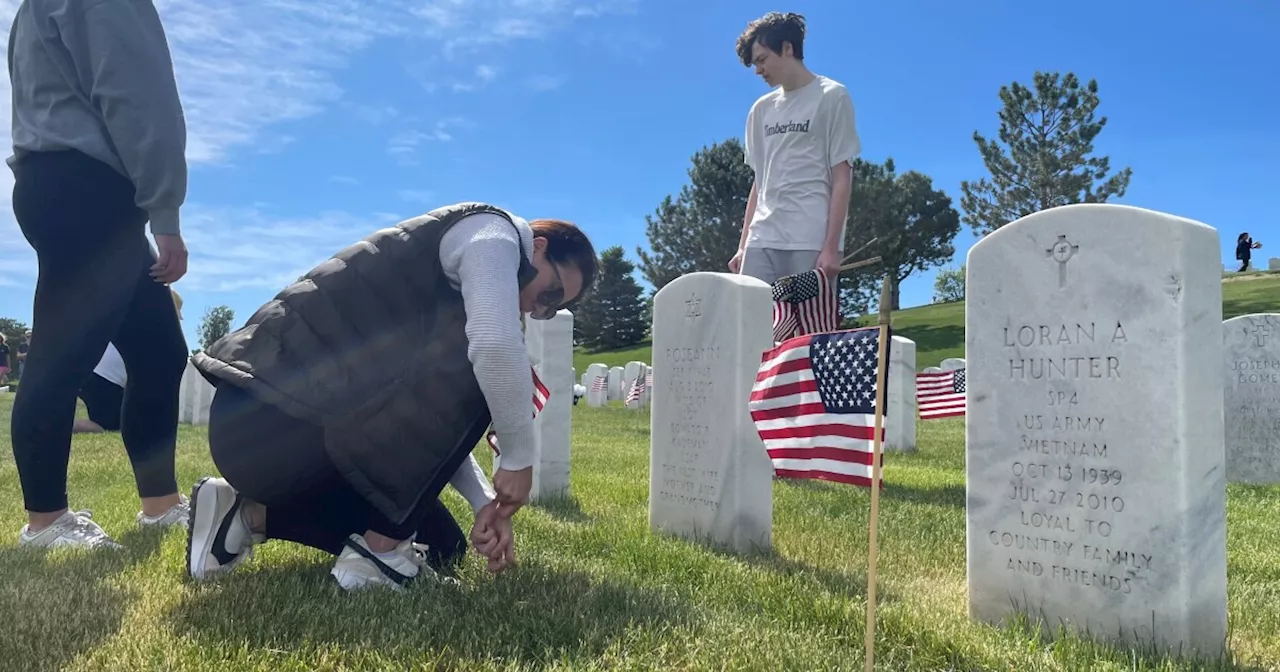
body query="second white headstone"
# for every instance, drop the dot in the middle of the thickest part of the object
(710, 478)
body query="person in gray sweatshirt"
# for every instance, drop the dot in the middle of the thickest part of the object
(99, 144)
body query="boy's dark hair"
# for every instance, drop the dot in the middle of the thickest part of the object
(568, 245)
(772, 30)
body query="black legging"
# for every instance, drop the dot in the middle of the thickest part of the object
(280, 462)
(94, 287)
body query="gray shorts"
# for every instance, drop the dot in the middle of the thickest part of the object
(769, 265)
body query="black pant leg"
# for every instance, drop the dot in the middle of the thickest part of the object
(90, 241)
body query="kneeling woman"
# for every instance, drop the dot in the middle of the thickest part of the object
(347, 403)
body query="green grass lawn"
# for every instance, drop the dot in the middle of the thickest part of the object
(594, 590)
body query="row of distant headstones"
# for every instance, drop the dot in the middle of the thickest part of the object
(618, 382)
(1097, 426)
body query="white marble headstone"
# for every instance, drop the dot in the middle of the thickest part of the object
(1094, 438)
(195, 396)
(931, 369)
(900, 404)
(1252, 396)
(710, 478)
(550, 345)
(952, 364)
(615, 384)
(1273, 264)
(596, 395)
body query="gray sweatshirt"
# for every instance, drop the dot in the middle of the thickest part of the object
(96, 76)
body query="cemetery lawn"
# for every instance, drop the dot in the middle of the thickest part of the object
(595, 589)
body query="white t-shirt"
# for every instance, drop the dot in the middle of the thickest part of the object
(793, 140)
(111, 366)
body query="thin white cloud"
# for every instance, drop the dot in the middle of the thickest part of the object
(237, 248)
(246, 67)
(403, 146)
(343, 179)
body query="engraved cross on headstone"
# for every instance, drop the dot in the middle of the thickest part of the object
(1062, 252)
(1260, 334)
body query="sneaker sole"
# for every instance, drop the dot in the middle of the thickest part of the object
(196, 526)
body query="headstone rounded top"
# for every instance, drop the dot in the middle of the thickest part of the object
(1254, 317)
(706, 277)
(1082, 214)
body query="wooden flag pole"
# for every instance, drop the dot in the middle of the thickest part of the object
(855, 252)
(860, 264)
(872, 548)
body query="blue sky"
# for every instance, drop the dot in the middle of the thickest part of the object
(313, 123)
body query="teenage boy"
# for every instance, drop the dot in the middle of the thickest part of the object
(801, 141)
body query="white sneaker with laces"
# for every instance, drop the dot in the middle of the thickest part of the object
(73, 529)
(177, 515)
(218, 539)
(359, 567)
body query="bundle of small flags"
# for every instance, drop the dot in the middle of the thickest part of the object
(540, 396)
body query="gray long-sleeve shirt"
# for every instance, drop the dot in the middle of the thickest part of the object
(96, 76)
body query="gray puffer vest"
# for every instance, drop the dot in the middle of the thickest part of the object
(371, 346)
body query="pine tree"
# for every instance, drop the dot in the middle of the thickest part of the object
(613, 314)
(699, 229)
(1048, 133)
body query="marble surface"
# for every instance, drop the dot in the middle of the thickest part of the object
(550, 344)
(900, 404)
(195, 396)
(709, 476)
(1094, 438)
(615, 384)
(952, 364)
(1251, 388)
(595, 397)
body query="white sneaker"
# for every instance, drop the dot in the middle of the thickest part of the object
(74, 529)
(358, 567)
(218, 539)
(174, 516)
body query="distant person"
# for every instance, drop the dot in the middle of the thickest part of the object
(1244, 250)
(346, 403)
(99, 145)
(23, 346)
(5, 362)
(801, 141)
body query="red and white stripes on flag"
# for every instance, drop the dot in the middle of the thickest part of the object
(805, 303)
(940, 395)
(540, 396)
(600, 383)
(636, 391)
(813, 405)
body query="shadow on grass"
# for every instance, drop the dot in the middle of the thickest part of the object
(56, 605)
(947, 495)
(564, 508)
(530, 615)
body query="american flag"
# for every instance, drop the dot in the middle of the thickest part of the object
(636, 391)
(813, 404)
(540, 396)
(940, 395)
(805, 303)
(599, 383)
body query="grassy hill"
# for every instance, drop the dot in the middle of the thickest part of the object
(938, 329)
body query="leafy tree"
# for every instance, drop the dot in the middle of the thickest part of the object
(948, 285)
(1045, 161)
(215, 324)
(913, 225)
(13, 331)
(612, 316)
(699, 229)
